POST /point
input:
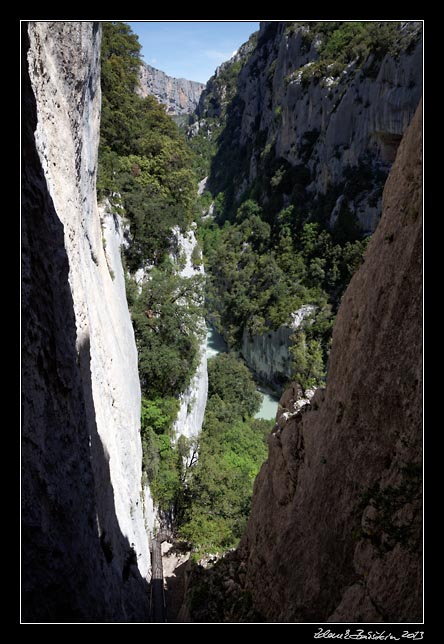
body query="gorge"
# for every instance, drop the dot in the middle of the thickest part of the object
(138, 416)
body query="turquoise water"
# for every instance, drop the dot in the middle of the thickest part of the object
(216, 344)
(268, 407)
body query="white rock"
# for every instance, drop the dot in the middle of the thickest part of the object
(67, 146)
(202, 186)
(193, 401)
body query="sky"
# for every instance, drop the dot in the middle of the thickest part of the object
(190, 50)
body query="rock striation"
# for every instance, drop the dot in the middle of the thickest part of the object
(335, 527)
(268, 355)
(180, 96)
(85, 553)
(325, 139)
(193, 401)
(335, 531)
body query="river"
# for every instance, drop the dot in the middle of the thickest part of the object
(216, 344)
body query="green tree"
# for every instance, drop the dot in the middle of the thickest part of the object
(159, 414)
(166, 486)
(142, 154)
(120, 62)
(232, 447)
(196, 256)
(231, 380)
(308, 364)
(167, 321)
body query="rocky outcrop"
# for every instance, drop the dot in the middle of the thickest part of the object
(193, 401)
(268, 356)
(180, 96)
(335, 527)
(323, 138)
(85, 553)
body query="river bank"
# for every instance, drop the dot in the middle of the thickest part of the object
(215, 345)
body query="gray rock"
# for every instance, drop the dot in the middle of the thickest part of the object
(180, 96)
(335, 530)
(268, 354)
(193, 401)
(85, 549)
(328, 126)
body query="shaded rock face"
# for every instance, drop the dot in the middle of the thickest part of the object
(180, 96)
(268, 354)
(339, 134)
(335, 528)
(85, 554)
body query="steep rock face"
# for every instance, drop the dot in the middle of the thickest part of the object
(326, 141)
(335, 528)
(193, 401)
(268, 354)
(180, 96)
(85, 551)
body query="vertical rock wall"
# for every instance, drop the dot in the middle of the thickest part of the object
(85, 553)
(193, 401)
(268, 354)
(336, 135)
(180, 96)
(335, 527)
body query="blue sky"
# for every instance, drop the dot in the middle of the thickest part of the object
(190, 50)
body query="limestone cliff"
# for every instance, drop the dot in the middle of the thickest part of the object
(193, 401)
(85, 554)
(335, 527)
(268, 355)
(335, 531)
(319, 136)
(180, 96)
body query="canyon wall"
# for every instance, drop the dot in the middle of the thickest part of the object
(180, 96)
(85, 553)
(325, 138)
(335, 527)
(267, 354)
(306, 120)
(335, 530)
(194, 399)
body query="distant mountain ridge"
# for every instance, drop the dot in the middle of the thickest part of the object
(181, 96)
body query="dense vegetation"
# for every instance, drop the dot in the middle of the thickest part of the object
(144, 162)
(144, 171)
(270, 248)
(232, 447)
(145, 174)
(205, 485)
(260, 275)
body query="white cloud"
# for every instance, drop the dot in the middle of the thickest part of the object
(154, 61)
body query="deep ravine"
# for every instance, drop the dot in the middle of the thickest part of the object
(111, 409)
